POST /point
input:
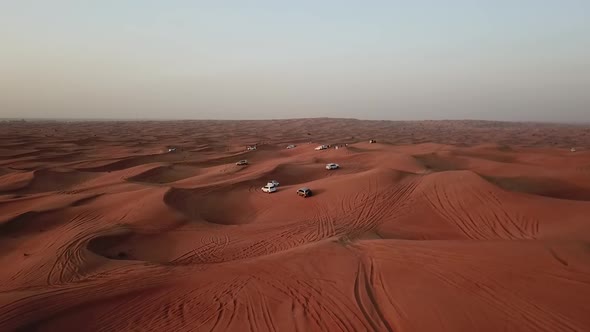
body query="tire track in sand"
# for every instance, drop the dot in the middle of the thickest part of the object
(481, 216)
(506, 301)
(365, 298)
(70, 256)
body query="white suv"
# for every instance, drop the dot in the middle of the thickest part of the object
(332, 166)
(269, 188)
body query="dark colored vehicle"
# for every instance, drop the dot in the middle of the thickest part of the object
(304, 192)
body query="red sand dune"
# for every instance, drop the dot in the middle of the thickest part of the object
(439, 226)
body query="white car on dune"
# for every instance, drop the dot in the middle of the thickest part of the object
(332, 166)
(321, 147)
(269, 188)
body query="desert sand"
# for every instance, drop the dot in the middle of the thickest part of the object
(439, 226)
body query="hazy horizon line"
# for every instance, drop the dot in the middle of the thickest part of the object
(80, 119)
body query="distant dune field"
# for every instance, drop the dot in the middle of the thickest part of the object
(438, 226)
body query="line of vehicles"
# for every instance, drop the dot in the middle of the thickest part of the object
(272, 185)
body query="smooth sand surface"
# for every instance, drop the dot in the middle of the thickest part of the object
(439, 226)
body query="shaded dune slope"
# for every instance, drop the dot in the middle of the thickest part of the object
(166, 174)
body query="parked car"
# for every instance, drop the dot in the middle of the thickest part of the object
(274, 182)
(171, 149)
(321, 147)
(242, 162)
(269, 188)
(304, 192)
(251, 148)
(291, 146)
(332, 166)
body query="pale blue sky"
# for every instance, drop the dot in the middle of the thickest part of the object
(501, 60)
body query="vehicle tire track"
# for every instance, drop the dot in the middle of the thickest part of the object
(363, 291)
